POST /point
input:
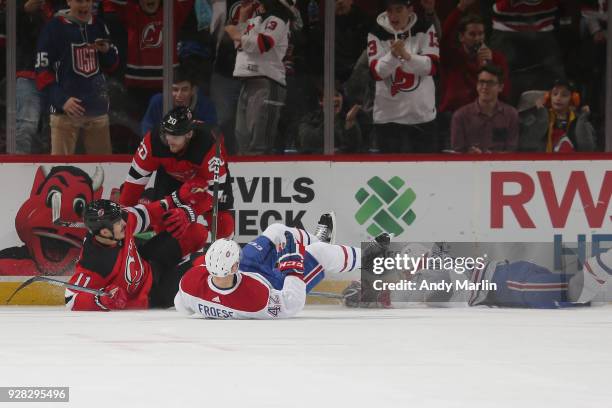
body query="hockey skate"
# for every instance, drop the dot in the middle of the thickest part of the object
(326, 231)
(356, 295)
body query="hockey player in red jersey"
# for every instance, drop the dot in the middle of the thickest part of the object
(183, 150)
(135, 278)
(268, 280)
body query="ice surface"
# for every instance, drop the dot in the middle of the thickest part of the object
(328, 357)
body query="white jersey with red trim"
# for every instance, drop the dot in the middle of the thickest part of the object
(405, 89)
(262, 49)
(251, 297)
(525, 15)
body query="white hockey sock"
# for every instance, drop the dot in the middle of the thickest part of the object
(336, 258)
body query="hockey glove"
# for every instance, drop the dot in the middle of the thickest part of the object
(291, 260)
(193, 192)
(177, 220)
(117, 299)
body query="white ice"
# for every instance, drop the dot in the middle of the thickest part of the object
(330, 356)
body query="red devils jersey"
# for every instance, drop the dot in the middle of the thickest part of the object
(524, 15)
(197, 162)
(145, 45)
(251, 297)
(100, 266)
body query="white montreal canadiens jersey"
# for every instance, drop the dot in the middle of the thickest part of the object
(405, 90)
(263, 48)
(250, 298)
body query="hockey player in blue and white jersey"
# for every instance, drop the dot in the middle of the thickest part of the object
(499, 284)
(268, 279)
(73, 52)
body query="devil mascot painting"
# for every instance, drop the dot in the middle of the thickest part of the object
(51, 249)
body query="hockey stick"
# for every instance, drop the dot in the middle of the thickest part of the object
(339, 296)
(216, 169)
(56, 207)
(56, 282)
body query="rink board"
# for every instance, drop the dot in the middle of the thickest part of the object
(527, 198)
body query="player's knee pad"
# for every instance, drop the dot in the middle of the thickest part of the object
(275, 232)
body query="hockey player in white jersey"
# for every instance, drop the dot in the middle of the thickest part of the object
(268, 279)
(403, 54)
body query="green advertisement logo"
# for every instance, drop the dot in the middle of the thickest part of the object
(385, 208)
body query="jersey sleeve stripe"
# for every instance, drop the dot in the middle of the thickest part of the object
(354, 258)
(137, 174)
(375, 75)
(142, 217)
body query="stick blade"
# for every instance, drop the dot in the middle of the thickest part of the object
(23, 285)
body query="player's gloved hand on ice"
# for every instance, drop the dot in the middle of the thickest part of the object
(117, 299)
(291, 257)
(193, 192)
(177, 220)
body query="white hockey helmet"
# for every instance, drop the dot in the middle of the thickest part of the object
(222, 255)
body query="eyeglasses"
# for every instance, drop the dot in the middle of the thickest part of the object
(482, 82)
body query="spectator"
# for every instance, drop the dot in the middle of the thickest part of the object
(428, 8)
(347, 133)
(403, 56)
(554, 124)
(32, 15)
(262, 45)
(462, 53)
(486, 125)
(224, 88)
(143, 21)
(72, 49)
(593, 56)
(184, 93)
(524, 32)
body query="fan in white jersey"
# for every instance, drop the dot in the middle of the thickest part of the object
(265, 281)
(262, 43)
(403, 54)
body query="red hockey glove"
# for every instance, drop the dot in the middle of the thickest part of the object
(192, 193)
(117, 299)
(291, 260)
(178, 219)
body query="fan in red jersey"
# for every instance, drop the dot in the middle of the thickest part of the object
(135, 278)
(183, 150)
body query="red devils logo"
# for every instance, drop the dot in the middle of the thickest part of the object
(133, 269)
(403, 82)
(84, 60)
(151, 35)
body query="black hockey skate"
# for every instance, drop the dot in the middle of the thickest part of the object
(326, 231)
